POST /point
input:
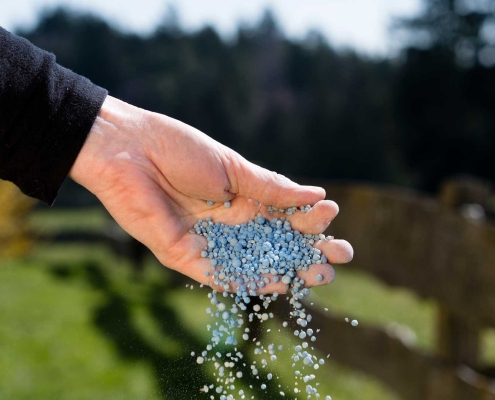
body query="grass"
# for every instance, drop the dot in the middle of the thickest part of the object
(357, 295)
(50, 347)
(74, 324)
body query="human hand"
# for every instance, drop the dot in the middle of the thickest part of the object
(154, 175)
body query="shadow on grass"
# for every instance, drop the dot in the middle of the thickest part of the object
(177, 376)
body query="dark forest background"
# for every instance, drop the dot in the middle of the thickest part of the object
(302, 107)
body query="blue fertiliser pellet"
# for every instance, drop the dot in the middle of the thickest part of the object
(246, 258)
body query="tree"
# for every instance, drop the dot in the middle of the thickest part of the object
(463, 27)
(444, 93)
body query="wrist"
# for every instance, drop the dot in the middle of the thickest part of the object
(84, 162)
(109, 136)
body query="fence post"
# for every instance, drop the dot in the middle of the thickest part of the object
(458, 340)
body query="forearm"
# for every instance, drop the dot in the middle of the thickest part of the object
(46, 112)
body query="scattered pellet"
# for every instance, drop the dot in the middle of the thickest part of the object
(245, 258)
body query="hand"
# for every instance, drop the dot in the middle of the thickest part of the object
(154, 175)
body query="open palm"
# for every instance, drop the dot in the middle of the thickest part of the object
(154, 175)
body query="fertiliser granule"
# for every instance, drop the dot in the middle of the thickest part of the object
(245, 258)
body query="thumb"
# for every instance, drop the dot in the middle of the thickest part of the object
(270, 188)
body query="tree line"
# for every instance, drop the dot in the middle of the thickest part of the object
(302, 107)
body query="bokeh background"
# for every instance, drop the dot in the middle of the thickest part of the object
(393, 97)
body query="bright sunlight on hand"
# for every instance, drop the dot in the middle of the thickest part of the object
(154, 175)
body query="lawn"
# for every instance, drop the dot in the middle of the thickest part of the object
(76, 325)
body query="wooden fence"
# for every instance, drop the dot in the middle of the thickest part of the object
(427, 246)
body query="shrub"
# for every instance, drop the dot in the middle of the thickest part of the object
(14, 208)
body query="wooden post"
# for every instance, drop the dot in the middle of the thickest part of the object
(458, 340)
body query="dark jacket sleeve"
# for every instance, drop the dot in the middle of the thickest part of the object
(46, 112)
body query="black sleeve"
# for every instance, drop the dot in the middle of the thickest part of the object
(46, 112)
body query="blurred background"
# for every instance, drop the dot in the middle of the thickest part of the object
(390, 105)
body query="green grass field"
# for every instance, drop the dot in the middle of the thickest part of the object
(74, 324)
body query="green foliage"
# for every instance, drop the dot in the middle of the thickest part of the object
(14, 237)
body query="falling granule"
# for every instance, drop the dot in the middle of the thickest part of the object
(354, 322)
(244, 255)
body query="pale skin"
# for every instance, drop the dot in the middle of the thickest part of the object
(154, 174)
